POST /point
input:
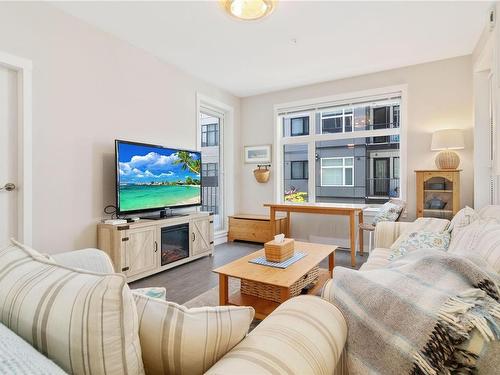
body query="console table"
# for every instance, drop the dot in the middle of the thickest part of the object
(341, 209)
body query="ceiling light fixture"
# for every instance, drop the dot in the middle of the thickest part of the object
(248, 10)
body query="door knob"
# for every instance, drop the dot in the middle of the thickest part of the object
(9, 186)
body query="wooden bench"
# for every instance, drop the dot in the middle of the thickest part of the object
(255, 228)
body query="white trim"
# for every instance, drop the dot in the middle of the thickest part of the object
(24, 68)
(335, 136)
(227, 165)
(349, 97)
(308, 105)
(220, 237)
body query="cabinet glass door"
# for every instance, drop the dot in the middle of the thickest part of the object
(438, 198)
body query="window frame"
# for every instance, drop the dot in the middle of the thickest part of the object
(312, 106)
(225, 113)
(343, 168)
(398, 158)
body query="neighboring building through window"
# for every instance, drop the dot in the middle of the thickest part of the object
(363, 167)
(211, 194)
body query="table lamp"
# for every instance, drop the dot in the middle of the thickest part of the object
(446, 141)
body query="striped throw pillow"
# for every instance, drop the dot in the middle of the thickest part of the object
(85, 322)
(481, 239)
(175, 339)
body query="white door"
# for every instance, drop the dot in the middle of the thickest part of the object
(8, 155)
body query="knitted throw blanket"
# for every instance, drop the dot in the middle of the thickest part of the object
(418, 314)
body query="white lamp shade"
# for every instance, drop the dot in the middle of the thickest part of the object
(448, 139)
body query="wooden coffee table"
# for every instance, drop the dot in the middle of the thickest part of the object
(283, 278)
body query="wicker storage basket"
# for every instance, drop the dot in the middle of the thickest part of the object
(279, 252)
(261, 175)
(272, 292)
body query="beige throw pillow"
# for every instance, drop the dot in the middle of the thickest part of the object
(463, 218)
(175, 339)
(482, 239)
(85, 322)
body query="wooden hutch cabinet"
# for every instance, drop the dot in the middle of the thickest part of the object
(438, 193)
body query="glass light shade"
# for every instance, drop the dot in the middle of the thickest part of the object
(447, 139)
(248, 9)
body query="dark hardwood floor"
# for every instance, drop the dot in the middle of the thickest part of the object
(189, 280)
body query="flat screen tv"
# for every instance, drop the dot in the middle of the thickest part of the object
(152, 178)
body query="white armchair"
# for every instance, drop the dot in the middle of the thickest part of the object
(93, 260)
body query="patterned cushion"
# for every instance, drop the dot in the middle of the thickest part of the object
(388, 212)
(412, 241)
(85, 322)
(176, 339)
(482, 239)
(463, 218)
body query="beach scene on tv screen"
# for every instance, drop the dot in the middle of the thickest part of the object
(152, 177)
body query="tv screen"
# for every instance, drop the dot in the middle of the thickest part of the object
(153, 177)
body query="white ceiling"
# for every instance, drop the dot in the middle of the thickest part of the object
(334, 39)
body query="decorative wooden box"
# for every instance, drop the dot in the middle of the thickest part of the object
(279, 252)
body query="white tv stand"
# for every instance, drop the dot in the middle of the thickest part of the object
(142, 248)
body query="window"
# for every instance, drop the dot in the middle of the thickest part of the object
(296, 126)
(339, 121)
(299, 170)
(353, 144)
(209, 169)
(337, 171)
(209, 135)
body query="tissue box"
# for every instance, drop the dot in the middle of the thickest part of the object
(279, 252)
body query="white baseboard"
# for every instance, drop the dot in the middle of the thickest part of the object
(220, 237)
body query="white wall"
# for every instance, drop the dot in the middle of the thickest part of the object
(90, 88)
(439, 96)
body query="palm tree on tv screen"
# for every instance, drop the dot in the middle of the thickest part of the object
(188, 162)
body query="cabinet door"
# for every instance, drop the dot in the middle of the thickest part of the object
(140, 250)
(201, 236)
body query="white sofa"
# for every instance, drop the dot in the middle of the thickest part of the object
(305, 335)
(481, 237)
(292, 340)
